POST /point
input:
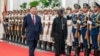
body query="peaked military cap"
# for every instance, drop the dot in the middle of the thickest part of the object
(96, 4)
(86, 5)
(77, 6)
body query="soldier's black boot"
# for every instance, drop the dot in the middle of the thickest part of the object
(3, 36)
(86, 52)
(53, 47)
(7, 37)
(81, 47)
(24, 41)
(39, 44)
(15, 38)
(49, 46)
(57, 54)
(96, 53)
(89, 51)
(11, 37)
(90, 47)
(77, 51)
(45, 45)
(68, 51)
(20, 40)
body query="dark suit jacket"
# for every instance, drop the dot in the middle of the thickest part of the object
(57, 31)
(32, 31)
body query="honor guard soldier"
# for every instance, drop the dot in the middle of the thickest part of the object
(11, 25)
(49, 41)
(84, 31)
(41, 36)
(76, 28)
(43, 25)
(23, 14)
(18, 27)
(6, 20)
(99, 37)
(69, 25)
(14, 25)
(21, 22)
(45, 28)
(52, 16)
(9, 28)
(49, 46)
(95, 26)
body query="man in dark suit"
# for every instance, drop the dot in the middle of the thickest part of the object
(32, 27)
(59, 33)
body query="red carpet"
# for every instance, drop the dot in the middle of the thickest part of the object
(13, 50)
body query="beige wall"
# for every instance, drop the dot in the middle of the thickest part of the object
(16, 3)
(1, 8)
(1, 25)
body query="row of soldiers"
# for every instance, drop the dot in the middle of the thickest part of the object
(13, 24)
(83, 28)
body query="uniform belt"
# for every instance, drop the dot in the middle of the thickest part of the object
(84, 26)
(74, 25)
(5, 22)
(95, 26)
(69, 25)
(46, 24)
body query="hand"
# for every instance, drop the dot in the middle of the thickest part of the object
(89, 22)
(52, 39)
(8, 28)
(41, 36)
(23, 36)
(78, 21)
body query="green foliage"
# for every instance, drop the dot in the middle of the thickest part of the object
(23, 6)
(56, 4)
(46, 3)
(33, 3)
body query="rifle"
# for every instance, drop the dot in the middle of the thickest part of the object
(87, 36)
(78, 27)
(99, 39)
(48, 26)
(99, 33)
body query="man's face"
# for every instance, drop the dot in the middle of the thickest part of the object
(33, 10)
(81, 11)
(85, 9)
(95, 8)
(76, 9)
(99, 10)
(60, 14)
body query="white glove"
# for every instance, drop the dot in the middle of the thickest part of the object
(89, 22)
(78, 21)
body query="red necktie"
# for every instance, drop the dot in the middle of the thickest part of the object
(34, 20)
